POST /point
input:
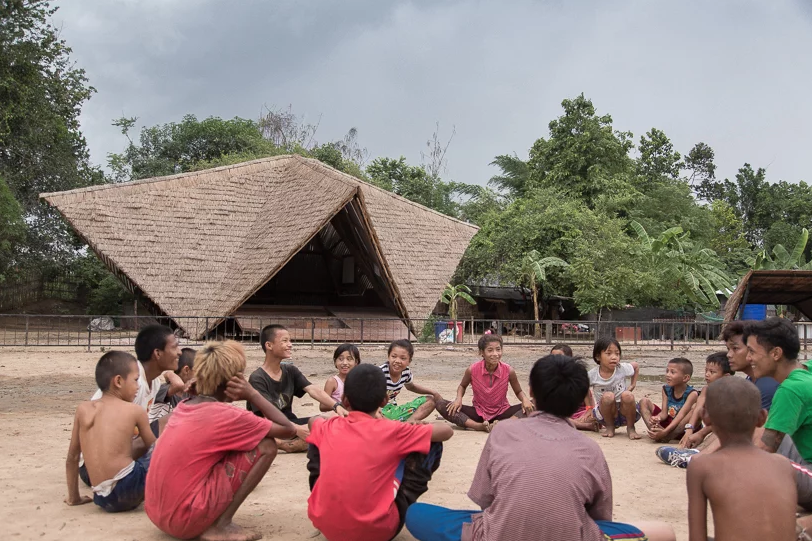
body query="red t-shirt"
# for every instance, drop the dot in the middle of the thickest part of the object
(354, 497)
(186, 491)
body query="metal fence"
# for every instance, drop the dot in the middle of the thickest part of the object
(96, 331)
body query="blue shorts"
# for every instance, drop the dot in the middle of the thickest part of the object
(620, 420)
(129, 491)
(428, 522)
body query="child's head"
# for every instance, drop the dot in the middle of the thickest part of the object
(561, 349)
(275, 340)
(158, 343)
(490, 347)
(606, 352)
(733, 407)
(118, 371)
(558, 384)
(770, 342)
(346, 357)
(733, 337)
(365, 389)
(186, 364)
(716, 366)
(216, 363)
(400, 354)
(678, 371)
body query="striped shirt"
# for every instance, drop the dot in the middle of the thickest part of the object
(490, 389)
(539, 478)
(393, 388)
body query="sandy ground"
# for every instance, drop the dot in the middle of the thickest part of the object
(40, 388)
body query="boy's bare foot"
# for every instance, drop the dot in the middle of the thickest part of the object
(633, 435)
(229, 532)
(296, 445)
(608, 432)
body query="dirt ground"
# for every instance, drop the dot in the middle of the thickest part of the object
(40, 388)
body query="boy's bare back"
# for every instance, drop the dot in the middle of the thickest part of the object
(105, 429)
(752, 495)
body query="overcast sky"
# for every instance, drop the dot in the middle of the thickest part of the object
(734, 74)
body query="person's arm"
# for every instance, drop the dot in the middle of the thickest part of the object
(527, 405)
(72, 467)
(680, 417)
(144, 430)
(589, 401)
(692, 440)
(325, 400)
(600, 506)
(239, 389)
(441, 432)
(176, 385)
(635, 375)
(329, 387)
(693, 420)
(656, 428)
(456, 405)
(697, 502)
(419, 389)
(771, 440)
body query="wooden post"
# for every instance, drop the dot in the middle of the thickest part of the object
(673, 329)
(312, 332)
(26, 329)
(548, 331)
(362, 331)
(707, 333)
(635, 333)
(805, 327)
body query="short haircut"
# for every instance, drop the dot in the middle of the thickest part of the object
(562, 347)
(187, 358)
(268, 333)
(685, 366)
(732, 330)
(347, 348)
(720, 359)
(402, 343)
(216, 363)
(775, 332)
(149, 339)
(559, 384)
(365, 388)
(486, 339)
(112, 364)
(602, 344)
(733, 405)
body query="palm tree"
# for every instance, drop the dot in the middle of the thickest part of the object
(781, 258)
(533, 271)
(697, 272)
(515, 177)
(450, 296)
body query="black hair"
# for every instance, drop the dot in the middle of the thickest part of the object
(187, 358)
(775, 332)
(720, 359)
(486, 339)
(685, 366)
(149, 339)
(268, 334)
(733, 405)
(602, 344)
(347, 348)
(402, 343)
(562, 347)
(559, 384)
(112, 364)
(365, 388)
(732, 329)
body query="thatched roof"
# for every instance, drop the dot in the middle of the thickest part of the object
(785, 287)
(202, 243)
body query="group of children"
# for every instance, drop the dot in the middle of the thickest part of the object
(370, 459)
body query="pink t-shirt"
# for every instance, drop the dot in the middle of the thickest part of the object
(186, 491)
(354, 497)
(339, 390)
(490, 390)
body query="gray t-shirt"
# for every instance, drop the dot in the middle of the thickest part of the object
(616, 383)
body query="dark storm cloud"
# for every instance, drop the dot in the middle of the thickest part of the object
(733, 74)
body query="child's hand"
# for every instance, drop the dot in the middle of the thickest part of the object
(527, 406)
(692, 441)
(191, 387)
(238, 388)
(454, 407)
(341, 411)
(81, 501)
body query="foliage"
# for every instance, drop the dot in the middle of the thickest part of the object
(781, 258)
(533, 273)
(450, 296)
(514, 180)
(413, 183)
(104, 292)
(12, 231)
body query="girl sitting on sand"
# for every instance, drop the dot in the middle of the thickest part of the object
(489, 379)
(345, 358)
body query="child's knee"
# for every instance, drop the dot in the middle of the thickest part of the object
(267, 447)
(607, 398)
(626, 397)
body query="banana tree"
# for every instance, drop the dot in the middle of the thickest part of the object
(533, 272)
(450, 296)
(781, 259)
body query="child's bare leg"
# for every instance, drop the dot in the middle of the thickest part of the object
(295, 445)
(628, 407)
(608, 409)
(223, 529)
(657, 531)
(646, 411)
(424, 410)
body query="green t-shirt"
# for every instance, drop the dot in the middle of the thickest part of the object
(791, 412)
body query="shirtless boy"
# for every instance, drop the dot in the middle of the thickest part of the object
(752, 493)
(103, 431)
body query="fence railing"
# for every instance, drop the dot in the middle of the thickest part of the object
(96, 331)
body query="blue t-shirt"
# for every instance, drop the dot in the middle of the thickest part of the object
(767, 387)
(675, 404)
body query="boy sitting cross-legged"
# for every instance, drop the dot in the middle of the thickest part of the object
(751, 493)
(365, 471)
(538, 478)
(212, 454)
(717, 366)
(667, 424)
(103, 431)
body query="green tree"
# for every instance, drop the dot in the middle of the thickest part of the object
(12, 231)
(729, 241)
(450, 296)
(514, 179)
(413, 183)
(781, 258)
(533, 272)
(699, 162)
(658, 160)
